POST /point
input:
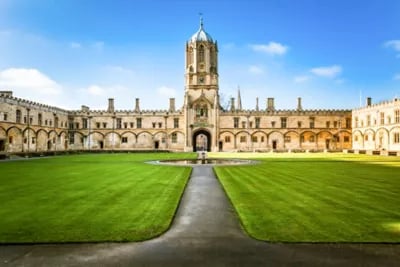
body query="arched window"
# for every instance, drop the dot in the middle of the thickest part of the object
(18, 116)
(201, 111)
(190, 58)
(201, 53)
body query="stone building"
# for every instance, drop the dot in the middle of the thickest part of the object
(200, 124)
(376, 127)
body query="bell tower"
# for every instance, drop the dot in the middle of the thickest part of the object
(201, 104)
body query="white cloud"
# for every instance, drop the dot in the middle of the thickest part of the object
(272, 48)
(95, 90)
(166, 91)
(395, 44)
(302, 79)
(75, 45)
(99, 46)
(328, 72)
(30, 80)
(256, 70)
(396, 77)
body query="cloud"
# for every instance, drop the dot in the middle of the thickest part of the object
(256, 70)
(395, 44)
(396, 77)
(166, 91)
(327, 72)
(31, 80)
(301, 79)
(99, 46)
(272, 48)
(95, 90)
(75, 45)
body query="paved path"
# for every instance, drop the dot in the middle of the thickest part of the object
(205, 232)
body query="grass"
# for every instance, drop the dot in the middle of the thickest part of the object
(316, 197)
(88, 198)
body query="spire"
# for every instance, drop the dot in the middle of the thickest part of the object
(257, 108)
(239, 100)
(201, 20)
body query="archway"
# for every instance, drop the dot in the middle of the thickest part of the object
(201, 141)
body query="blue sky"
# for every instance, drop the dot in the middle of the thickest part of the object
(80, 52)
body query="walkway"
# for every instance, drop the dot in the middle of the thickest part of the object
(205, 232)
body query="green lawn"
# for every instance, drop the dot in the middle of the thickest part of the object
(316, 197)
(97, 197)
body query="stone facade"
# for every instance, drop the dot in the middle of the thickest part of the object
(376, 127)
(200, 124)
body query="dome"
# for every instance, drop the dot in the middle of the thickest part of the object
(201, 35)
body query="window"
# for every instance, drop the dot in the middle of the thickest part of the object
(288, 139)
(160, 125)
(176, 122)
(283, 122)
(312, 122)
(77, 125)
(262, 139)
(119, 123)
(336, 138)
(235, 122)
(132, 124)
(312, 138)
(257, 123)
(335, 124)
(124, 139)
(33, 140)
(299, 124)
(302, 139)
(397, 116)
(201, 111)
(174, 138)
(40, 118)
(5, 116)
(369, 120)
(46, 122)
(366, 137)
(125, 125)
(84, 123)
(104, 124)
(18, 116)
(389, 119)
(243, 124)
(201, 53)
(396, 138)
(254, 139)
(56, 122)
(356, 122)
(346, 139)
(25, 119)
(50, 122)
(348, 123)
(273, 124)
(227, 139)
(138, 123)
(97, 125)
(356, 138)
(250, 124)
(10, 139)
(243, 139)
(154, 125)
(382, 115)
(71, 138)
(25, 140)
(328, 124)
(30, 120)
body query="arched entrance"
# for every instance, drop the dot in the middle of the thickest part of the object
(201, 141)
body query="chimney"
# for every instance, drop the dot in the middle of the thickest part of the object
(232, 104)
(369, 101)
(84, 108)
(270, 104)
(137, 108)
(171, 104)
(299, 107)
(110, 105)
(257, 104)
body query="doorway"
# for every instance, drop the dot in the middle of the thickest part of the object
(2, 145)
(201, 141)
(156, 144)
(220, 146)
(49, 145)
(274, 144)
(327, 143)
(101, 144)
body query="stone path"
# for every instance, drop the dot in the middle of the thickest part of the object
(205, 232)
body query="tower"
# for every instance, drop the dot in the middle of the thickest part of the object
(201, 105)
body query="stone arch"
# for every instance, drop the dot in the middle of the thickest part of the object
(3, 139)
(130, 139)
(144, 140)
(201, 140)
(382, 139)
(369, 139)
(112, 140)
(14, 135)
(226, 141)
(259, 140)
(28, 140)
(358, 140)
(160, 140)
(276, 140)
(96, 140)
(292, 139)
(41, 139)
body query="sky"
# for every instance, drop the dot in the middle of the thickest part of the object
(332, 53)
